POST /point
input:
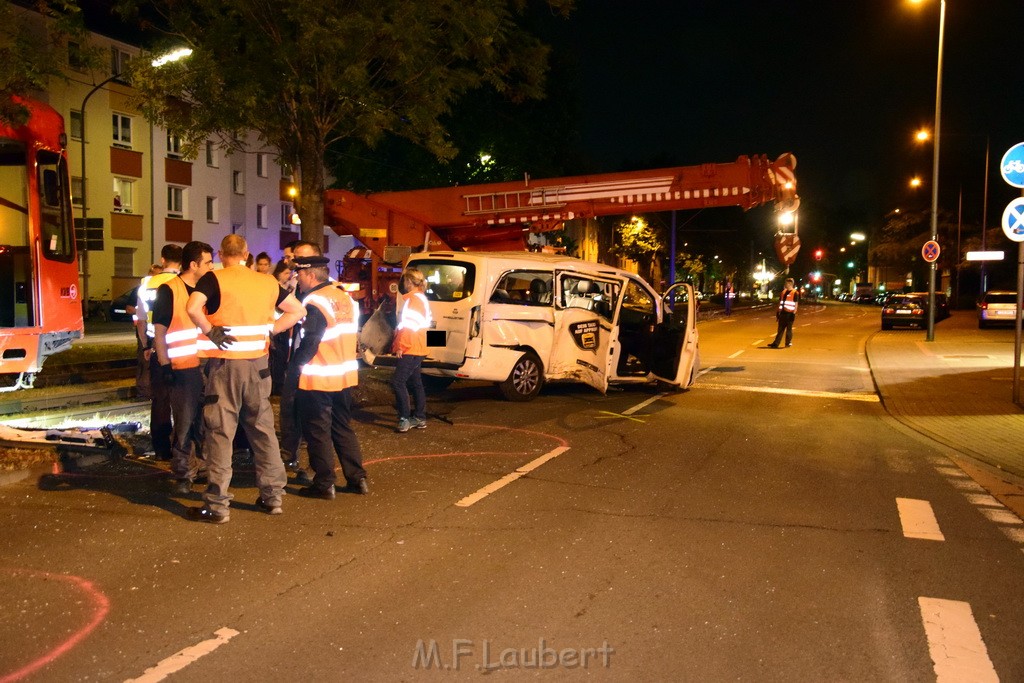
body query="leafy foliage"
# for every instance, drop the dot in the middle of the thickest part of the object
(306, 74)
(33, 42)
(640, 241)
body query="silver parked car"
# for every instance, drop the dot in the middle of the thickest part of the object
(997, 307)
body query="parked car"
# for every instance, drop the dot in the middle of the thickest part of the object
(912, 309)
(997, 307)
(123, 307)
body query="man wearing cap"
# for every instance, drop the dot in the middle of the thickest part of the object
(327, 368)
(234, 310)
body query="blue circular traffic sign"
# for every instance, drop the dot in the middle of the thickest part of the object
(1012, 165)
(930, 251)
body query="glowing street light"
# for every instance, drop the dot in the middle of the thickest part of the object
(915, 182)
(923, 135)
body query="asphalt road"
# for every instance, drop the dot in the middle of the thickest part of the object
(772, 524)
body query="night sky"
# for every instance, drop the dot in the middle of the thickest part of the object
(840, 83)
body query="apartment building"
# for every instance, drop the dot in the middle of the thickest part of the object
(135, 191)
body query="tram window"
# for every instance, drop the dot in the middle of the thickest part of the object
(55, 206)
(13, 194)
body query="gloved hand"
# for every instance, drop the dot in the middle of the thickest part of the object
(220, 338)
(168, 374)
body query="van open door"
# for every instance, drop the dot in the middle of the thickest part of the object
(584, 310)
(675, 351)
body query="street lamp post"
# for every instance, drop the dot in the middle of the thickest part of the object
(935, 173)
(85, 193)
(157, 63)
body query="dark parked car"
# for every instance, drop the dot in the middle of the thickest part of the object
(912, 309)
(119, 307)
(997, 308)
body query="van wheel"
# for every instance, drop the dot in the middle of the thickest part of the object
(433, 384)
(525, 380)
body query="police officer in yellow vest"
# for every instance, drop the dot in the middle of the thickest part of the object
(160, 406)
(328, 369)
(234, 310)
(786, 314)
(176, 342)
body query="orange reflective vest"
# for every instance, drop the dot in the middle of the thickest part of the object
(247, 302)
(413, 322)
(182, 334)
(788, 301)
(147, 295)
(335, 366)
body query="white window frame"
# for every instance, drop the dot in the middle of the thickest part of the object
(286, 214)
(118, 61)
(118, 130)
(177, 200)
(124, 188)
(261, 216)
(263, 164)
(212, 156)
(238, 182)
(77, 191)
(173, 146)
(211, 210)
(75, 122)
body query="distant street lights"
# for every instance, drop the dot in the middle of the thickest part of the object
(935, 170)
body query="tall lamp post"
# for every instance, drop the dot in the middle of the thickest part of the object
(158, 62)
(935, 171)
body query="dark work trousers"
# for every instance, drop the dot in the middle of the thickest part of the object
(291, 434)
(407, 377)
(279, 346)
(142, 388)
(160, 410)
(238, 395)
(187, 414)
(785, 327)
(325, 417)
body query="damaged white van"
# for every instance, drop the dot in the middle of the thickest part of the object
(523, 319)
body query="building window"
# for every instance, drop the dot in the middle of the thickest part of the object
(286, 216)
(124, 191)
(238, 182)
(122, 130)
(175, 201)
(124, 262)
(76, 124)
(77, 190)
(261, 215)
(173, 146)
(211, 209)
(262, 160)
(76, 58)
(212, 158)
(118, 61)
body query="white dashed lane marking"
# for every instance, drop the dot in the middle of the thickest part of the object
(180, 660)
(918, 519)
(958, 653)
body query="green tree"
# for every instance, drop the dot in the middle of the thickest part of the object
(33, 42)
(642, 242)
(305, 74)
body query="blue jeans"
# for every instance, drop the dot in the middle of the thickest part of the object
(406, 377)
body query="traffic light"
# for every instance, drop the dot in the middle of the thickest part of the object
(818, 253)
(816, 277)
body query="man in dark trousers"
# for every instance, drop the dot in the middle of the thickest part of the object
(786, 314)
(234, 310)
(176, 345)
(327, 369)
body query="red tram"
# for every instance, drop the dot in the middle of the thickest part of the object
(40, 307)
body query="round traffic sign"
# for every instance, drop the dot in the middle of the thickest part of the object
(1013, 220)
(930, 251)
(1012, 165)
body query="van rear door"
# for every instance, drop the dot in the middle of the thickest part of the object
(675, 351)
(450, 285)
(584, 308)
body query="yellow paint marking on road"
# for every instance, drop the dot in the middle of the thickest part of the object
(864, 398)
(607, 415)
